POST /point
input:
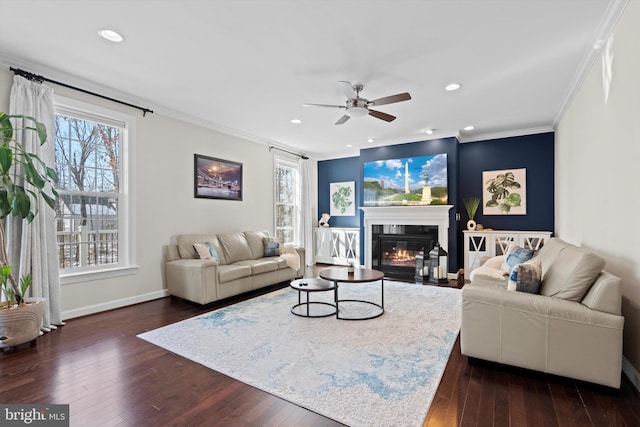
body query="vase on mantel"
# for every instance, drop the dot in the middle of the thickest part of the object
(471, 225)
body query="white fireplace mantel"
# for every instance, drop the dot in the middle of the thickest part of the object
(437, 215)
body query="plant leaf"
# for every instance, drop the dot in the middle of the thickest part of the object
(6, 158)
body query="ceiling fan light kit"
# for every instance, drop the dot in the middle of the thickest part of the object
(356, 107)
(357, 112)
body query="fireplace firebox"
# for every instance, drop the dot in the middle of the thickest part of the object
(395, 248)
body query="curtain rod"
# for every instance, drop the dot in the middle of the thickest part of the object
(31, 76)
(290, 152)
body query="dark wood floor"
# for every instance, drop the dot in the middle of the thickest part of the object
(111, 378)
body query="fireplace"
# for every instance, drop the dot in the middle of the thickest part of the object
(404, 221)
(396, 246)
(397, 254)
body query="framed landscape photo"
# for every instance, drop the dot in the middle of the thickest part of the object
(413, 181)
(343, 198)
(216, 178)
(504, 192)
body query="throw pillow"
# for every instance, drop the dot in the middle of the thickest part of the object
(271, 246)
(206, 251)
(526, 277)
(515, 255)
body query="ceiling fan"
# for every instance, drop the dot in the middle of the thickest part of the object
(355, 106)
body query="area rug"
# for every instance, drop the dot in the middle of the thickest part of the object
(379, 372)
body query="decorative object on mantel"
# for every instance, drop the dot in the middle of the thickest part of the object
(342, 201)
(438, 265)
(499, 197)
(324, 220)
(471, 205)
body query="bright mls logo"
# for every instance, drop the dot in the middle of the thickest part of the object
(34, 415)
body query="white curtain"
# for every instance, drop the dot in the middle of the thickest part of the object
(32, 246)
(305, 212)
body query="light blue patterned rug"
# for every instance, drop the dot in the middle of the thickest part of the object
(378, 372)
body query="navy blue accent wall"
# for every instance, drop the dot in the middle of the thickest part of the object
(466, 162)
(533, 152)
(339, 170)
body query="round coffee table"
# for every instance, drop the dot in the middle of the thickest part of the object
(307, 285)
(359, 275)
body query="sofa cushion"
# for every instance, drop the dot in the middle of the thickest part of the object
(515, 255)
(235, 247)
(227, 273)
(206, 251)
(549, 251)
(526, 277)
(254, 240)
(572, 273)
(259, 266)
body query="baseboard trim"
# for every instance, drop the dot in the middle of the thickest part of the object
(631, 373)
(110, 305)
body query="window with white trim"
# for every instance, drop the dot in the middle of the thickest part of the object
(287, 196)
(93, 213)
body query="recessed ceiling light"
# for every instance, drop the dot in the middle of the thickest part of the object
(349, 145)
(468, 128)
(429, 131)
(452, 86)
(296, 121)
(370, 140)
(112, 36)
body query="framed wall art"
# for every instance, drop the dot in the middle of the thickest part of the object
(414, 181)
(343, 198)
(504, 192)
(216, 178)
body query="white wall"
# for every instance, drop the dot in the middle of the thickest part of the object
(597, 164)
(164, 201)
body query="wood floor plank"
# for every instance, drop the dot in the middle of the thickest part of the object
(112, 378)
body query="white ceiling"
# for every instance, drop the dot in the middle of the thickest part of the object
(246, 66)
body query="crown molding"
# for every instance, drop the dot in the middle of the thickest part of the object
(605, 28)
(504, 134)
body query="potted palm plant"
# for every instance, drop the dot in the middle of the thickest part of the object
(21, 189)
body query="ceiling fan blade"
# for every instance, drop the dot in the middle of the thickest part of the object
(347, 89)
(391, 99)
(324, 105)
(382, 116)
(342, 119)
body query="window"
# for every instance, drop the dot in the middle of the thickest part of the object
(93, 214)
(287, 195)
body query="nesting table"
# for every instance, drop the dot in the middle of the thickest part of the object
(306, 286)
(359, 275)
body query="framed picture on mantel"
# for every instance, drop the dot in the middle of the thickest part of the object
(216, 178)
(504, 192)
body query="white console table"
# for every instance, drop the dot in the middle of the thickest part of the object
(335, 245)
(482, 244)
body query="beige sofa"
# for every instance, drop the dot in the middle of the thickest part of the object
(572, 328)
(239, 266)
